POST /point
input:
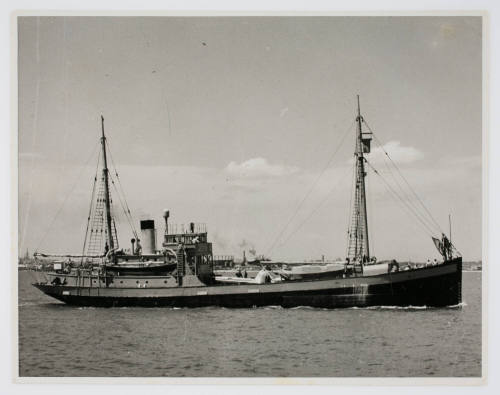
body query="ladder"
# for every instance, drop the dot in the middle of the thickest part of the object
(180, 265)
(98, 233)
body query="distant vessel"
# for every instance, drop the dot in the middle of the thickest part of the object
(180, 273)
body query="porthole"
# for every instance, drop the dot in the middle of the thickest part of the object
(137, 282)
(147, 282)
(121, 282)
(165, 281)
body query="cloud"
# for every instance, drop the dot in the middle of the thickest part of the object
(398, 153)
(258, 168)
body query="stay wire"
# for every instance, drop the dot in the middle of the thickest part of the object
(406, 195)
(66, 198)
(128, 212)
(405, 205)
(271, 248)
(91, 206)
(369, 199)
(428, 230)
(404, 179)
(123, 207)
(349, 217)
(327, 196)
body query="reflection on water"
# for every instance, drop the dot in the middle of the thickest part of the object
(59, 340)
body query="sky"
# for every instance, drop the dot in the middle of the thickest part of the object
(247, 124)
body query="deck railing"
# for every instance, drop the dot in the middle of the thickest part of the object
(186, 228)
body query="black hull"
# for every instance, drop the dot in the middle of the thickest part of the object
(315, 276)
(159, 270)
(436, 286)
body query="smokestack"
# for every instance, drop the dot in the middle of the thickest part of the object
(148, 236)
(133, 246)
(166, 214)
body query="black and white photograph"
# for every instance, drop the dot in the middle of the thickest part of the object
(250, 196)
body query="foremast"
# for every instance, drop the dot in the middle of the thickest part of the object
(100, 237)
(359, 246)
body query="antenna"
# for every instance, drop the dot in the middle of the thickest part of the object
(449, 221)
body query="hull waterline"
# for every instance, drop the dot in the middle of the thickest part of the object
(436, 286)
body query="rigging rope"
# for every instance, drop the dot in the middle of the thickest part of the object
(316, 208)
(123, 207)
(309, 191)
(91, 206)
(408, 199)
(404, 179)
(428, 230)
(66, 198)
(350, 206)
(126, 209)
(369, 201)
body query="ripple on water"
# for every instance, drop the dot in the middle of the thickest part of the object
(58, 340)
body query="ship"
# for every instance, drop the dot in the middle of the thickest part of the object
(180, 271)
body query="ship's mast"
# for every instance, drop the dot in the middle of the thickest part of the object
(362, 175)
(105, 174)
(359, 247)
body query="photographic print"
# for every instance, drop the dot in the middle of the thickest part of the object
(251, 196)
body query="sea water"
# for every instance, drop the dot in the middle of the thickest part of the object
(60, 340)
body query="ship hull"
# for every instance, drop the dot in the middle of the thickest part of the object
(435, 286)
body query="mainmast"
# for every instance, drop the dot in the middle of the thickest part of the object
(359, 247)
(105, 174)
